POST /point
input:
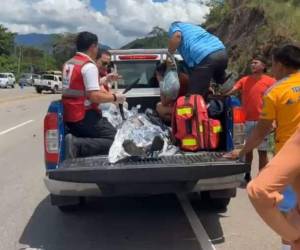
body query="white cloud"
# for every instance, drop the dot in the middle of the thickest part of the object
(137, 17)
(122, 21)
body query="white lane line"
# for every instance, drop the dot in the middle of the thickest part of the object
(29, 248)
(195, 223)
(15, 127)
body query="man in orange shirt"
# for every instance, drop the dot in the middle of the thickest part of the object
(252, 89)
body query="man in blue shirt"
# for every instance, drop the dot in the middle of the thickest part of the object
(204, 54)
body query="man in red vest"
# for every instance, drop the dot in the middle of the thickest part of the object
(103, 61)
(91, 134)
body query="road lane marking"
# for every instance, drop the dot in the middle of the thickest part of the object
(15, 127)
(195, 223)
(29, 248)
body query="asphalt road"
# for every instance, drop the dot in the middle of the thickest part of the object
(27, 220)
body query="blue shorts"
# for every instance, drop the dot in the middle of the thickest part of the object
(289, 201)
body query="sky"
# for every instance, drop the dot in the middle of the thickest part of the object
(116, 22)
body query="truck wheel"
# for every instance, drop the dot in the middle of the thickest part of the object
(38, 90)
(55, 90)
(13, 86)
(205, 199)
(220, 199)
(67, 204)
(69, 208)
(219, 203)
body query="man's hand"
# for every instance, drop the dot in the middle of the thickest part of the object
(231, 91)
(113, 77)
(170, 63)
(234, 155)
(120, 98)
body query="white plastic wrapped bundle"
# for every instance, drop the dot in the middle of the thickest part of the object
(137, 129)
(112, 113)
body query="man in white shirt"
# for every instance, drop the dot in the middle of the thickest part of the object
(91, 134)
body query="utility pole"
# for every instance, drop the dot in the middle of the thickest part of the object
(19, 61)
(45, 59)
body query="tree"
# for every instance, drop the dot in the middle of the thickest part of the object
(21, 59)
(7, 61)
(36, 60)
(8, 64)
(6, 41)
(64, 48)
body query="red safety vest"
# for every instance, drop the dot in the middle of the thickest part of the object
(74, 97)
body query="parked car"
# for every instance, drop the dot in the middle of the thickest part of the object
(205, 172)
(7, 80)
(53, 72)
(28, 79)
(49, 82)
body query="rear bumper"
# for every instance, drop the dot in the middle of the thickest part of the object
(43, 87)
(189, 173)
(72, 188)
(92, 189)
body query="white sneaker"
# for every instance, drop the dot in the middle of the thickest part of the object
(286, 247)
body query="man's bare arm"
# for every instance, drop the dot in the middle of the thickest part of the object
(265, 190)
(262, 129)
(101, 96)
(174, 42)
(232, 91)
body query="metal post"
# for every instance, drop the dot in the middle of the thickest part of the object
(19, 61)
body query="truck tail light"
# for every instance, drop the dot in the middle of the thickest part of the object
(51, 138)
(138, 57)
(239, 119)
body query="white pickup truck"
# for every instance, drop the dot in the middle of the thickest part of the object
(7, 80)
(206, 173)
(49, 82)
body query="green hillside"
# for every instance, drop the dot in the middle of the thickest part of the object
(250, 27)
(157, 38)
(247, 27)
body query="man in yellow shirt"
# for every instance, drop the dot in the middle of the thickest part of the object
(282, 105)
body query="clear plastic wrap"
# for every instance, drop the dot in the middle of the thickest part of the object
(112, 112)
(138, 129)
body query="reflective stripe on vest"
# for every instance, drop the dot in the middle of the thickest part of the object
(189, 142)
(184, 111)
(73, 93)
(201, 130)
(217, 129)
